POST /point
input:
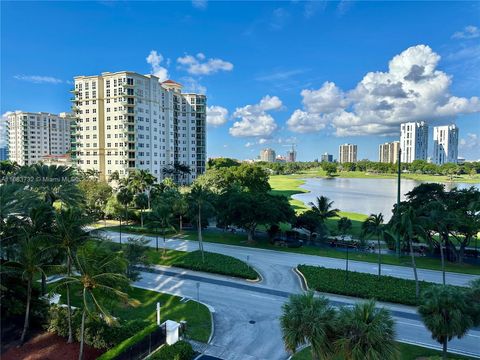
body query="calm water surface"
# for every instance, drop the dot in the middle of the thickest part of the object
(365, 196)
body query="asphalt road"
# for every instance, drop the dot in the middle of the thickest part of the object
(246, 314)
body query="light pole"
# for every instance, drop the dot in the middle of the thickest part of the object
(398, 196)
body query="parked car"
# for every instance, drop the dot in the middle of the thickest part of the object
(287, 242)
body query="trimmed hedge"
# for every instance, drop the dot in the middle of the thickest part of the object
(368, 286)
(124, 345)
(181, 350)
(217, 264)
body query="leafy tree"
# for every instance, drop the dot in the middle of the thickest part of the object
(101, 278)
(373, 226)
(444, 312)
(96, 194)
(135, 252)
(222, 163)
(329, 168)
(160, 219)
(366, 333)
(309, 221)
(307, 319)
(344, 224)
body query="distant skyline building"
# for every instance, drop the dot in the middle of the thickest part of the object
(291, 155)
(414, 141)
(388, 152)
(327, 157)
(31, 136)
(128, 121)
(4, 153)
(347, 153)
(445, 144)
(267, 155)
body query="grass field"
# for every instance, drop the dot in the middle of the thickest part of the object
(197, 315)
(407, 352)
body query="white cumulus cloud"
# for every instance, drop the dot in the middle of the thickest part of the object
(216, 115)
(254, 119)
(200, 4)
(200, 65)
(472, 141)
(155, 59)
(412, 89)
(468, 32)
(39, 79)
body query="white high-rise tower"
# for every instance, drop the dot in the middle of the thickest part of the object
(445, 144)
(414, 141)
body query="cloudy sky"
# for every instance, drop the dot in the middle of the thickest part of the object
(315, 73)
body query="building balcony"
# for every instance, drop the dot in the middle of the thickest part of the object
(127, 85)
(74, 91)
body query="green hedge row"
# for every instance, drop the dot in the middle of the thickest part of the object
(124, 345)
(181, 350)
(368, 286)
(217, 264)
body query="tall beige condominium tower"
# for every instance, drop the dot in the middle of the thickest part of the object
(413, 141)
(267, 155)
(32, 136)
(347, 153)
(127, 121)
(388, 152)
(445, 144)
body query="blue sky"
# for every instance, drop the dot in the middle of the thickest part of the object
(315, 73)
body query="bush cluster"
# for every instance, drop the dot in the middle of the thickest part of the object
(181, 350)
(362, 285)
(97, 333)
(218, 264)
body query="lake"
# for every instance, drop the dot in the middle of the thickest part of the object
(364, 196)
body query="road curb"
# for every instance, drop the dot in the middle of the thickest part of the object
(301, 278)
(258, 280)
(213, 327)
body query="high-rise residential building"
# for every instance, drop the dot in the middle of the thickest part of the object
(347, 153)
(388, 152)
(327, 157)
(127, 121)
(445, 144)
(291, 155)
(31, 136)
(413, 141)
(267, 155)
(3, 153)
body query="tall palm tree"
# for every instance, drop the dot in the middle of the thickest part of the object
(69, 234)
(160, 218)
(199, 200)
(307, 319)
(33, 256)
(366, 333)
(124, 197)
(373, 226)
(323, 207)
(344, 224)
(444, 312)
(141, 201)
(180, 207)
(101, 278)
(141, 181)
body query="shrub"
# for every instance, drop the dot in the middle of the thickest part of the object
(218, 264)
(181, 350)
(97, 333)
(362, 285)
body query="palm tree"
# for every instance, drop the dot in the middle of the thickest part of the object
(124, 197)
(141, 181)
(366, 333)
(160, 218)
(344, 224)
(141, 201)
(180, 207)
(199, 199)
(373, 226)
(32, 258)
(307, 319)
(444, 312)
(69, 234)
(323, 208)
(101, 278)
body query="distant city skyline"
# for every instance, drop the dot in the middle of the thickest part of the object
(356, 74)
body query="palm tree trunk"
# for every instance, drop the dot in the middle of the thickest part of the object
(346, 266)
(156, 242)
(442, 257)
(69, 310)
(444, 352)
(27, 311)
(200, 241)
(181, 223)
(141, 217)
(379, 258)
(82, 331)
(414, 266)
(120, 229)
(164, 244)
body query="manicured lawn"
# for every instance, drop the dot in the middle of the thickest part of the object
(197, 315)
(214, 263)
(367, 286)
(407, 352)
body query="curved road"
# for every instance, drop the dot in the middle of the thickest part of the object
(246, 314)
